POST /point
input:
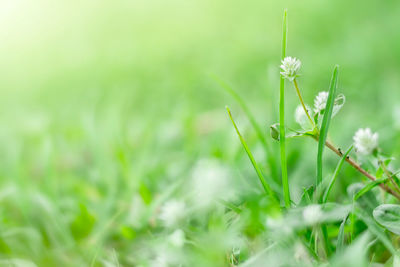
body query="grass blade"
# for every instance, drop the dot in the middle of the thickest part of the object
(326, 121)
(369, 187)
(261, 134)
(282, 142)
(340, 239)
(265, 185)
(335, 174)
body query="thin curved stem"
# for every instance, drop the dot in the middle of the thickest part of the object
(302, 102)
(356, 166)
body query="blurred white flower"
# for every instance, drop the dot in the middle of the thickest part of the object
(210, 181)
(290, 66)
(301, 117)
(312, 214)
(172, 212)
(177, 238)
(321, 99)
(162, 260)
(365, 142)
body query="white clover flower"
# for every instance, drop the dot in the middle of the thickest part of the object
(301, 117)
(172, 212)
(312, 214)
(290, 66)
(321, 99)
(365, 142)
(177, 238)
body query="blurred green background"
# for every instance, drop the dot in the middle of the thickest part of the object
(106, 104)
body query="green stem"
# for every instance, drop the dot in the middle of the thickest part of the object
(282, 142)
(302, 102)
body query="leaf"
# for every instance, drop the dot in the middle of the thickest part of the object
(369, 187)
(388, 215)
(366, 201)
(354, 255)
(260, 133)
(340, 239)
(326, 121)
(265, 185)
(83, 223)
(376, 230)
(335, 174)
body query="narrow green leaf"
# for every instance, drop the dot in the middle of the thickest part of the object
(282, 142)
(368, 187)
(340, 239)
(261, 135)
(265, 185)
(326, 121)
(335, 174)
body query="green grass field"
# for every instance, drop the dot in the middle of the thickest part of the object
(116, 148)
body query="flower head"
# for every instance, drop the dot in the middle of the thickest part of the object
(312, 214)
(177, 238)
(172, 212)
(290, 66)
(301, 117)
(365, 141)
(321, 99)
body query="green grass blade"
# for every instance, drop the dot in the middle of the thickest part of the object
(265, 185)
(326, 121)
(340, 239)
(369, 187)
(335, 174)
(282, 142)
(261, 134)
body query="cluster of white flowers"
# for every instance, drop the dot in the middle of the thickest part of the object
(290, 67)
(172, 212)
(321, 99)
(365, 142)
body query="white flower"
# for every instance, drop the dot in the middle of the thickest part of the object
(177, 238)
(312, 214)
(290, 66)
(210, 181)
(301, 117)
(365, 142)
(321, 99)
(172, 212)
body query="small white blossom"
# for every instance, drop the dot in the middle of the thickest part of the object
(290, 66)
(301, 117)
(210, 181)
(172, 212)
(312, 214)
(177, 238)
(321, 99)
(365, 142)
